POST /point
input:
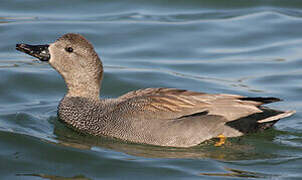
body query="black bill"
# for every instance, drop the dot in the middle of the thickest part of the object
(39, 51)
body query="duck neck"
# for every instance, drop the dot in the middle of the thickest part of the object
(84, 91)
(90, 88)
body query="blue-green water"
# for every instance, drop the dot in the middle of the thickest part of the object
(251, 48)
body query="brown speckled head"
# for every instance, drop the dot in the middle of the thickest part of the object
(76, 60)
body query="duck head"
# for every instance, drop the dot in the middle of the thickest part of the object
(75, 59)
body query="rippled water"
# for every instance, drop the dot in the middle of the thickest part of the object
(250, 48)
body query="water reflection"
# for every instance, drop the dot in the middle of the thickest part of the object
(239, 173)
(233, 82)
(14, 19)
(53, 177)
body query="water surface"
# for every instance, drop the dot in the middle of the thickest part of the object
(251, 48)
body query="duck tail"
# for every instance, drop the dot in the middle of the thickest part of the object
(277, 117)
(259, 121)
(262, 100)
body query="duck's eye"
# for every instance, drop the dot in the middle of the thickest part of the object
(69, 49)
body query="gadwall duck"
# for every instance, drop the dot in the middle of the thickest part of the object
(157, 116)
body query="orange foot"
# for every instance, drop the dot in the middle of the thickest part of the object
(222, 140)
